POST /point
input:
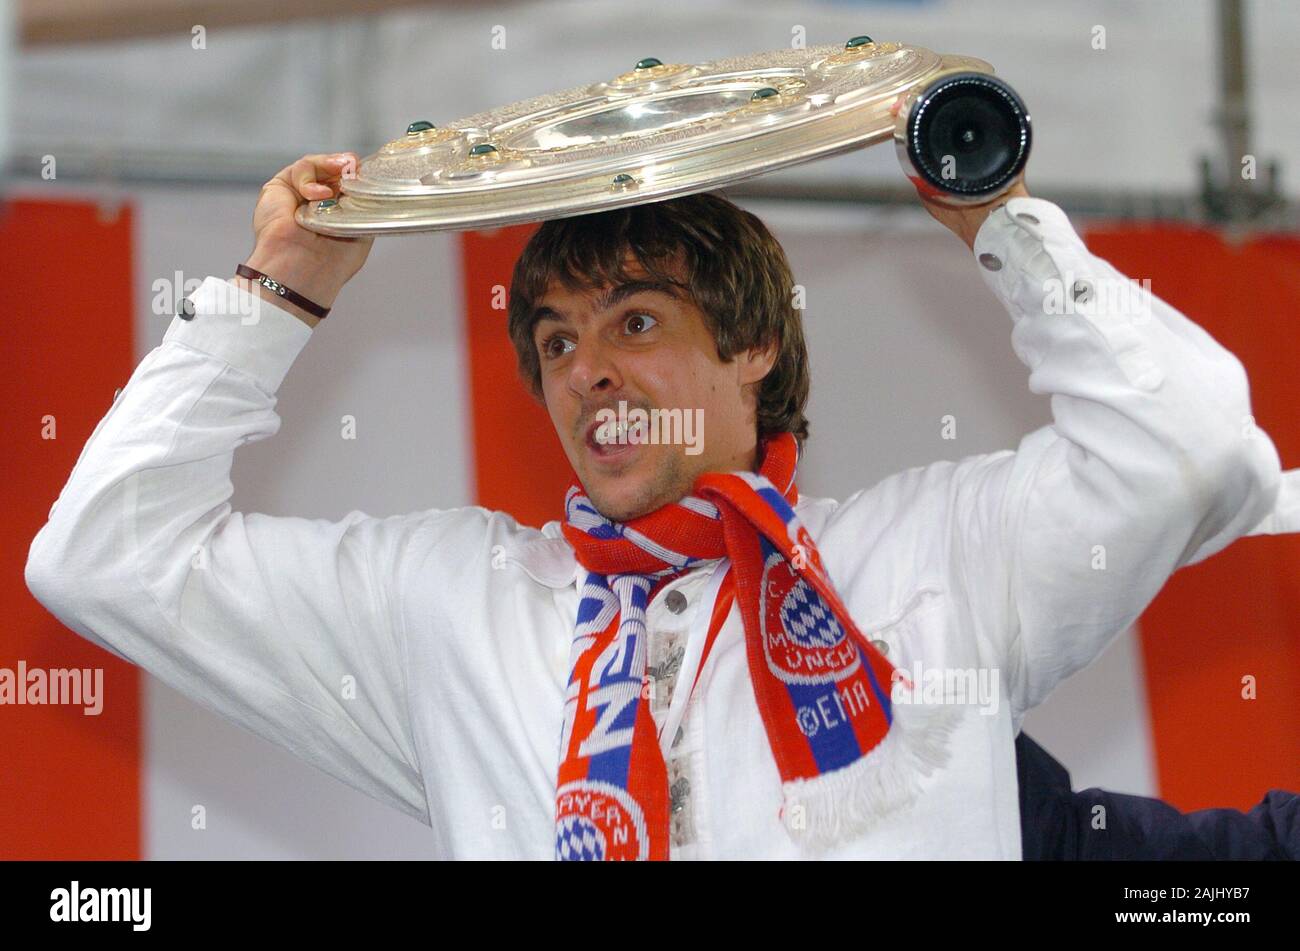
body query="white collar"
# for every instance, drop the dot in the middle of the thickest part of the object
(547, 558)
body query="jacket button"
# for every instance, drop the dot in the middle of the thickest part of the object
(881, 646)
(991, 261)
(186, 309)
(116, 393)
(676, 601)
(678, 793)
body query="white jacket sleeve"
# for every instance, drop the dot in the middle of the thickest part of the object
(284, 625)
(1152, 460)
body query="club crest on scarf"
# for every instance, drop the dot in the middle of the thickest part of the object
(802, 641)
(598, 822)
(843, 758)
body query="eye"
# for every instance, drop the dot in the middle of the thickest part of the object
(639, 317)
(546, 348)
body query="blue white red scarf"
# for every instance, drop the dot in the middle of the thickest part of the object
(806, 656)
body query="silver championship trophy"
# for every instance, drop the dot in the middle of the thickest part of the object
(667, 129)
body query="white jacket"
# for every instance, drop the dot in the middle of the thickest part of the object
(455, 623)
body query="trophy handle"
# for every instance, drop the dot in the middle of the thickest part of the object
(963, 137)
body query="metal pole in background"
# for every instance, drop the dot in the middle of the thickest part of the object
(1233, 118)
(1238, 192)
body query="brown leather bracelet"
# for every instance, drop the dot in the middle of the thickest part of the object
(292, 296)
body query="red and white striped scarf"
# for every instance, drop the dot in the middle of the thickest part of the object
(822, 689)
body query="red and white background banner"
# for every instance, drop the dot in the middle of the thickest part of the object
(427, 370)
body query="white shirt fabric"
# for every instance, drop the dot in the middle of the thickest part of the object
(456, 623)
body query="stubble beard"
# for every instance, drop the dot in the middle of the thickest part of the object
(669, 482)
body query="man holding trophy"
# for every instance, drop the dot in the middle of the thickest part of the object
(695, 659)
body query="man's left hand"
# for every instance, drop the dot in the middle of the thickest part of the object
(965, 221)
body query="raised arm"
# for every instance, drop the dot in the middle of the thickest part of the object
(285, 625)
(1152, 459)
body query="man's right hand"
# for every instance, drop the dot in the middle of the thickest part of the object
(315, 265)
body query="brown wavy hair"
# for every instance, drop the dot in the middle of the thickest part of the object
(733, 267)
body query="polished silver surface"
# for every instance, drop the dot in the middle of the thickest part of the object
(656, 131)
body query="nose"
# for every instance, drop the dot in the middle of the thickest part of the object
(593, 368)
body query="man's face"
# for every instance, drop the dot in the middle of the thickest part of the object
(645, 343)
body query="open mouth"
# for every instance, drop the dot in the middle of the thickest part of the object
(611, 442)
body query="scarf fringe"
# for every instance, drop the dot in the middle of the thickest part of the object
(837, 806)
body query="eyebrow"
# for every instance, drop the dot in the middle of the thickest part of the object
(613, 297)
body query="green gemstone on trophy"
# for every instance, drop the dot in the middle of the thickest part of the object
(483, 148)
(647, 63)
(326, 204)
(767, 92)
(858, 41)
(420, 125)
